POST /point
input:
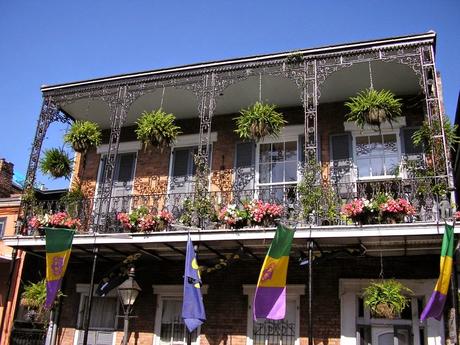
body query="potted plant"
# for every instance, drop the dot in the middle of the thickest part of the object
(233, 216)
(386, 298)
(258, 121)
(60, 220)
(83, 135)
(33, 298)
(141, 219)
(157, 128)
(56, 163)
(373, 107)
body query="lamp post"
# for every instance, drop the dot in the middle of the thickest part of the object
(127, 293)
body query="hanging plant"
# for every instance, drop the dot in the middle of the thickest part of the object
(157, 129)
(83, 135)
(258, 121)
(373, 107)
(386, 298)
(56, 163)
(425, 135)
(33, 298)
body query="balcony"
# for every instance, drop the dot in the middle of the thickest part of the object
(306, 206)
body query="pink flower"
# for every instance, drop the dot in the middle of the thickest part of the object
(35, 222)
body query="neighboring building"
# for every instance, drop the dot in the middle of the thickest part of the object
(310, 87)
(10, 259)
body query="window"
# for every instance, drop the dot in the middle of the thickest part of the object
(2, 226)
(279, 332)
(103, 317)
(377, 155)
(359, 328)
(169, 326)
(173, 331)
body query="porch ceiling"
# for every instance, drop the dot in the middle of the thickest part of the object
(276, 90)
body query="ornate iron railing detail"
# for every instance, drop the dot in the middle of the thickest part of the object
(201, 210)
(27, 336)
(274, 332)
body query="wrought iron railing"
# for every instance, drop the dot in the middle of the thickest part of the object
(27, 336)
(428, 196)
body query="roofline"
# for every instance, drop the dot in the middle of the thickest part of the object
(430, 35)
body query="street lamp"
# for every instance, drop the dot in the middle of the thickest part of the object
(127, 293)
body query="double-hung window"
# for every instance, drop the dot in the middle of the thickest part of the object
(277, 165)
(169, 326)
(102, 327)
(2, 226)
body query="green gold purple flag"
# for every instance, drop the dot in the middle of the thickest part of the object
(58, 248)
(270, 296)
(435, 305)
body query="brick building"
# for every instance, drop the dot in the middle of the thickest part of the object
(209, 167)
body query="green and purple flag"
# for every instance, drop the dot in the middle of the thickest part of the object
(58, 248)
(193, 312)
(270, 297)
(435, 305)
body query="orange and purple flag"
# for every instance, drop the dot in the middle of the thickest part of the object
(58, 247)
(435, 305)
(270, 296)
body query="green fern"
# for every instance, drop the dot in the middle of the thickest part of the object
(56, 163)
(389, 293)
(365, 102)
(157, 128)
(83, 135)
(425, 135)
(258, 121)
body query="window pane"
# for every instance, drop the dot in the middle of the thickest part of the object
(103, 312)
(277, 172)
(172, 326)
(278, 152)
(363, 167)
(290, 169)
(291, 151)
(265, 153)
(377, 167)
(390, 144)
(264, 173)
(391, 165)
(376, 146)
(362, 146)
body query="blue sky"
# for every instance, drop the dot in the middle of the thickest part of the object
(48, 42)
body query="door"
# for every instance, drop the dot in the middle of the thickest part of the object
(392, 335)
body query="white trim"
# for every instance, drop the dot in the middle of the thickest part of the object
(175, 292)
(385, 127)
(125, 147)
(192, 140)
(350, 289)
(293, 293)
(288, 133)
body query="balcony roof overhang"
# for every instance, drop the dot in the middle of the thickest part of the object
(275, 90)
(390, 240)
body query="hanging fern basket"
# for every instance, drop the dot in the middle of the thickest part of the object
(83, 135)
(56, 163)
(157, 128)
(386, 298)
(258, 121)
(373, 107)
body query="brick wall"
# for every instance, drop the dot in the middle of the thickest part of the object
(227, 307)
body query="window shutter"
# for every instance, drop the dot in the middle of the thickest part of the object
(340, 146)
(125, 166)
(245, 154)
(181, 162)
(408, 146)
